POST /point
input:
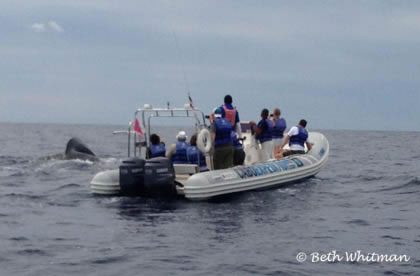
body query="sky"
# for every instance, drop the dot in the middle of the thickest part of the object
(338, 64)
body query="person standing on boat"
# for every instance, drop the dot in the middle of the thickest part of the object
(297, 137)
(195, 156)
(279, 126)
(231, 114)
(177, 153)
(238, 150)
(157, 148)
(264, 134)
(221, 129)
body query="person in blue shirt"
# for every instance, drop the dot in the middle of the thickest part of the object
(279, 126)
(177, 153)
(195, 156)
(156, 148)
(297, 137)
(238, 150)
(221, 129)
(264, 135)
(229, 112)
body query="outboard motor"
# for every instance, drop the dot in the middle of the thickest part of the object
(132, 176)
(154, 177)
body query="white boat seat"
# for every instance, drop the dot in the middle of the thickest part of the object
(186, 169)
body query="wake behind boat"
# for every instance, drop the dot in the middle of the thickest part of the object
(138, 176)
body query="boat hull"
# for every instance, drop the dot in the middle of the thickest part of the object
(259, 176)
(266, 175)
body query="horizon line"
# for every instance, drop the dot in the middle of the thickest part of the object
(181, 125)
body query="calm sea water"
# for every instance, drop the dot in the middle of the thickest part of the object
(366, 198)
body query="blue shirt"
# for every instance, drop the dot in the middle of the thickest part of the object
(266, 130)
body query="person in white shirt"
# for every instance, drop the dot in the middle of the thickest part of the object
(297, 137)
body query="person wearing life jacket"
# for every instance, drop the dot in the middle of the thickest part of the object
(221, 129)
(231, 114)
(178, 152)
(156, 148)
(279, 126)
(297, 137)
(238, 150)
(264, 135)
(195, 156)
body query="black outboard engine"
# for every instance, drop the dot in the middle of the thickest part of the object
(132, 176)
(152, 177)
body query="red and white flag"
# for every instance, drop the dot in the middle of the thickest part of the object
(138, 129)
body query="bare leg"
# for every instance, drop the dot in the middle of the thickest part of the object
(276, 151)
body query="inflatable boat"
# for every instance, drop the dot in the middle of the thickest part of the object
(137, 176)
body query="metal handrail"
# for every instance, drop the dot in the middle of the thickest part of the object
(164, 113)
(130, 124)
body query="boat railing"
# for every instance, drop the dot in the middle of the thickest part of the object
(147, 113)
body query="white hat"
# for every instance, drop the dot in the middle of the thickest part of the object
(181, 136)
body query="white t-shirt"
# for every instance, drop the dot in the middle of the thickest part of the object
(295, 131)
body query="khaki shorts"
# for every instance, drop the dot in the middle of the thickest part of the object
(277, 141)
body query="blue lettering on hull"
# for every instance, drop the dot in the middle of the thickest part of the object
(298, 162)
(268, 168)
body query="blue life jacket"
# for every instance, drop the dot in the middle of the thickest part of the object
(279, 128)
(180, 156)
(223, 132)
(193, 153)
(266, 134)
(300, 138)
(236, 143)
(157, 150)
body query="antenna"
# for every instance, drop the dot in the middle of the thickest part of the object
(187, 87)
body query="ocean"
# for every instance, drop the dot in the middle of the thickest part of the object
(365, 201)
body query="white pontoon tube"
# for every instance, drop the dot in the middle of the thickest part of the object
(260, 175)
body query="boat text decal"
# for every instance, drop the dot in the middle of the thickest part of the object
(298, 162)
(268, 168)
